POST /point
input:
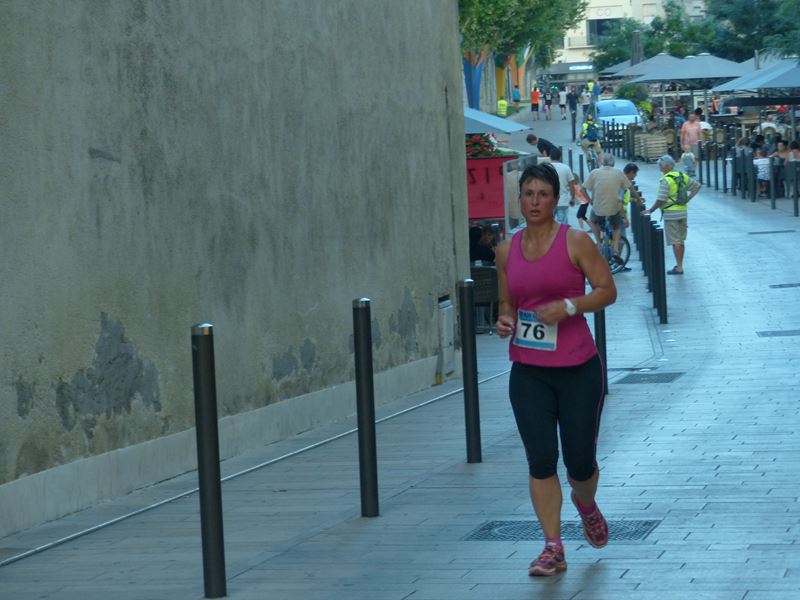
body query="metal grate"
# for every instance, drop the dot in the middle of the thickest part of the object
(779, 333)
(785, 285)
(650, 377)
(769, 232)
(515, 531)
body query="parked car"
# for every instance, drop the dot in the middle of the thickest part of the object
(622, 112)
(617, 111)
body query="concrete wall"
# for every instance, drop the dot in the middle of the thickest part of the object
(252, 164)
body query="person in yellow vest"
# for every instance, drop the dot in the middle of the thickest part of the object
(675, 190)
(630, 171)
(502, 107)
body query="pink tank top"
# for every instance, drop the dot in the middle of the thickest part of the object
(532, 283)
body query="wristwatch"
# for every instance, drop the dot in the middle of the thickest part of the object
(571, 310)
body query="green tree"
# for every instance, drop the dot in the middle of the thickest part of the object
(674, 33)
(786, 42)
(677, 34)
(615, 46)
(505, 27)
(744, 26)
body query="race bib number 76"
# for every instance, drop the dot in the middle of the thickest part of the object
(531, 333)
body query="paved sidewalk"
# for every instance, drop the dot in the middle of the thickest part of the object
(709, 459)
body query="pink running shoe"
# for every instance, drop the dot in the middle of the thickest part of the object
(550, 562)
(595, 526)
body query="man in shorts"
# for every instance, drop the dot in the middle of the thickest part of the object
(674, 210)
(548, 103)
(535, 103)
(607, 186)
(562, 103)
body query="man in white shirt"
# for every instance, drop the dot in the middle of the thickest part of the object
(567, 181)
(562, 103)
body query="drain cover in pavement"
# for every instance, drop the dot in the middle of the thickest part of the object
(514, 531)
(768, 232)
(650, 377)
(779, 333)
(785, 285)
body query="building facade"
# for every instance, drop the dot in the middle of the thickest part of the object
(573, 64)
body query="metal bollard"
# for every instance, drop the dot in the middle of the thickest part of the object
(662, 275)
(772, 182)
(365, 408)
(654, 266)
(700, 160)
(600, 342)
(635, 218)
(469, 366)
(746, 176)
(716, 167)
(573, 116)
(208, 472)
(580, 166)
(676, 144)
(570, 160)
(753, 178)
(796, 176)
(708, 166)
(648, 250)
(725, 169)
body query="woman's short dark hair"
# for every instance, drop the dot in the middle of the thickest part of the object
(543, 172)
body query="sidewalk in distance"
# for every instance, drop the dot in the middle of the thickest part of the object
(703, 447)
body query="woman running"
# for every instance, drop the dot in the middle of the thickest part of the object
(556, 383)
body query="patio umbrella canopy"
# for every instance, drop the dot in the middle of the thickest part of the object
(476, 121)
(614, 69)
(655, 65)
(782, 74)
(702, 67)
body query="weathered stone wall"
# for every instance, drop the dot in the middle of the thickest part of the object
(252, 164)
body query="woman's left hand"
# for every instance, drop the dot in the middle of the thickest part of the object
(552, 313)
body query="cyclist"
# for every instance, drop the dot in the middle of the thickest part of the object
(606, 185)
(590, 138)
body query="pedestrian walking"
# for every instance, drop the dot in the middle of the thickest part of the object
(675, 190)
(535, 103)
(556, 381)
(586, 99)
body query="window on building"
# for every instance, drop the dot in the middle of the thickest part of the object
(597, 28)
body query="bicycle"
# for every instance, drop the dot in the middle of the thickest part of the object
(616, 262)
(591, 162)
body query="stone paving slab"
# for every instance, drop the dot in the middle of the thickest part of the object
(710, 455)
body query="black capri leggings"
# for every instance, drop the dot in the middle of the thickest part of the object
(569, 399)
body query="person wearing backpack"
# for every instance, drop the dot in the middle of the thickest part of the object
(675, 190)
(590, 138)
